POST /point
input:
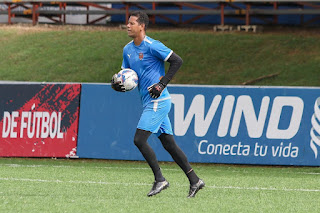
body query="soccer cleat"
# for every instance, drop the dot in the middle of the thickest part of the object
(158, 187)
(195, 188)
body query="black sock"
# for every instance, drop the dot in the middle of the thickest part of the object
(158, 176)
(140, 140)
(192, 176)
(179, 157)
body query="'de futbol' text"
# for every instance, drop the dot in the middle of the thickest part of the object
(28, 124)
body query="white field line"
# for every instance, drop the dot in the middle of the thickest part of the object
(145, 184)
(82, 167)
(252, 172)
(73, 181)
(142, 168)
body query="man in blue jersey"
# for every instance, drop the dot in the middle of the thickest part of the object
(146, 56)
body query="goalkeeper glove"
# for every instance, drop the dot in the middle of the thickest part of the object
(156, 89)
(117, 85)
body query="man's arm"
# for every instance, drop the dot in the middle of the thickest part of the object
(175, 61)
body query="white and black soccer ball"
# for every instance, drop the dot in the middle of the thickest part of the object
(128, 78)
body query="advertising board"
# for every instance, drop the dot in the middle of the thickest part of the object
(39, 120)
(212, 124)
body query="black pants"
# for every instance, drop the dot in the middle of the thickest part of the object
(168, 142)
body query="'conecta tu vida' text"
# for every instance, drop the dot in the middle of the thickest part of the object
(241, 149)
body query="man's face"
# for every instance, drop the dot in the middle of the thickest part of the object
(133, 27)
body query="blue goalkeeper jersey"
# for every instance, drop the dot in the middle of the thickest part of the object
(147, 60)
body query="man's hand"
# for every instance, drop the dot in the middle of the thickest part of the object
(156, 89)
(117, 85)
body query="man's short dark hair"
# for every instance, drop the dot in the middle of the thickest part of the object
(142, 18)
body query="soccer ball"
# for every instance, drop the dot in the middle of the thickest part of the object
(128, 78)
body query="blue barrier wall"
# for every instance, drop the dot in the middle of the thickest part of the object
(239, 125)
(108, 123)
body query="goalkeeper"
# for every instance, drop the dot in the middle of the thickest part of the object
(146, 56)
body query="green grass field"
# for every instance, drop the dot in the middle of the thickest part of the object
(77, 54)
(51, 185)
(81, 54)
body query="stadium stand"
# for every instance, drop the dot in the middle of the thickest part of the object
(244, 11)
